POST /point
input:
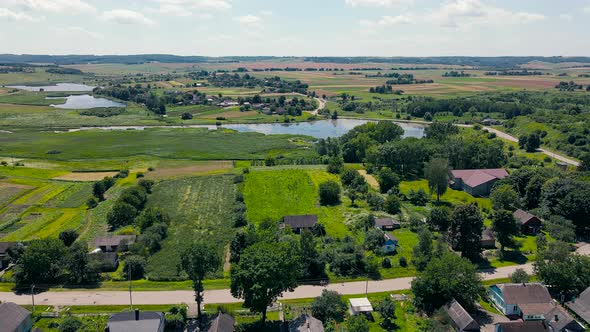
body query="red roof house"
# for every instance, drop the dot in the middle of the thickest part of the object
(529, 223)
(477, 182)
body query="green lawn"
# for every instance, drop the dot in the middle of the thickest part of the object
(453, 197)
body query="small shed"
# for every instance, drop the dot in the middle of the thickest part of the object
(300, 223)
(360, 306)
(222, 323)
(529, 223)
(460, 318)
(387, 224)
(488, 240)
(306, 323)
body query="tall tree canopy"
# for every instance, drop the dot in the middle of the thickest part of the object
(436, 172)
(465, 230)
(198, 260)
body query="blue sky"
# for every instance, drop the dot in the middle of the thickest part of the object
(299, 28)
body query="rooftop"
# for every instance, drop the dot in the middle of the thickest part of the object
(522, 216)
(525, 293)
(12, 316)
(519, 326)
(113, 240)
(581, 305)
(461, 318)
(306, 323)
(385, 222)
(126, 321)
(477, 177)
(302, 221)
(361, 305)
(222, 323)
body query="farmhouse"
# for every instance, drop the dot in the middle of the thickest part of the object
(390, 243)
(14, 318)
(300, 223)
(529, 301)
(529, 223)
(476, 182)
(306, 323)
(4, 247)
(460, 318)
(147, 321)
(360, 306)
(114, 243)
(222, 323)
(581, 305)
(387, 224)
(488, 240)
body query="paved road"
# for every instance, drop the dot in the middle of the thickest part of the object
(91, 297)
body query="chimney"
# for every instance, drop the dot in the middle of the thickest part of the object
(136, 314)
(556, 318)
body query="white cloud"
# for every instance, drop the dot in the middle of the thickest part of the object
(174, 10)
(388, 20)
(566, 17)
(125, 16)
(78, 31)
(55, 6)
(16, 16)
(587, 9)
(199, 4)
(377, 3)
(266, 12)
(467, 12)
(248, 19)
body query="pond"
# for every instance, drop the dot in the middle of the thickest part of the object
(60, 87)
(83, 102)
(317, 129)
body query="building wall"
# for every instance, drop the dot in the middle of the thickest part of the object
(507, 309)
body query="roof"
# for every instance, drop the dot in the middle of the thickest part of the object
(389, 236)
(530, 309)
(125, 321)
(303, 221)
(563, 319)
(460, 317)
(477, 177)
(4, 246)
(581, 305)
(527, 326)
(112, 240)
(488, 234)
(12, 316)
(525, 293)
(306, 323)
(222, 323)
(361, 304)
(385, 222)
(522, 217)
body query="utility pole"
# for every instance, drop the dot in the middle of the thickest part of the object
(130, 297)
(33, 296)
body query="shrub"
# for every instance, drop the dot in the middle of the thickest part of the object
(134, 266)
(386, 263)
(53, 152)
(140, 175)
(403, 262)
(335, 165)
(70, 324)
(375, 201)
(392, 205)
(186, 116)
(146, 184)
(419, 197)
(91, 203)
(68, 237)
(519, 276)
(329, 193)
(329, 306)
(238, 178)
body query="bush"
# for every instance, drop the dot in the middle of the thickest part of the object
(238, 178)
(392, 205)
(403, 262)
(122, 174)
(139, 175)
(386, 263)
(375, 201)
(186, 116)
(329, 306)
(134, 266)
(146, 184)
(68, 237)
(419, 197)
(335, 165)
(519, 276)
(329, 193)
(70, 324)
(91, 203)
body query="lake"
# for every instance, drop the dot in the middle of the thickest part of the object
(83, 102)
(317, 129)
(60, 87)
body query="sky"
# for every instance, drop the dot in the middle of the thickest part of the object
(296, 27)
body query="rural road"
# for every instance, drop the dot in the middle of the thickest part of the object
(91, 297)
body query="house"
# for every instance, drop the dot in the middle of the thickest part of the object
(299, 223)
(114, 243)
(476, 182)
(14, 318)
(360, 306)
(530, 301)
(581, 305)
(460, 318)
(520, 326)
(306, 323)
(529, 223)
(488, 240)
(222, 323)
(491, 122)
(390, 244)
(145, 321)
(559, 320)
(4, 248)
(387, 224)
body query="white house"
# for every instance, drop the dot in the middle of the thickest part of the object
(360, 306)
(390, 243)
(529, 301)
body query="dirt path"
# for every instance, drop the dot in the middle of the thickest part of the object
(370, 179)
(97, 297)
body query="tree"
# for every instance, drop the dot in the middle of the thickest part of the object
(440, 131)
(437, 173)
(387, 180)
(329, 193)
(519, 276)
(374, 239)
(533, 142)
(42, 262)
(440, 218)
(392, 204)
(81, 270)
(561, 229)
(237, 246)
(387, 310)
(418, 197)
(445, 278)
(70, 324)
(91, 203)
(68, 237)
(329, 306)
(567, 273)
(312, 262)
(186, 116)
(465, 230)
(197, 261)
(504, 197)
(541, 243)
(504, 227)
(134, 267)
(152, 216)
(375, 201)
(357, 323)
(98, 190)
(264, 272)
(335, 165)
(122, 214)
(423, 251)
